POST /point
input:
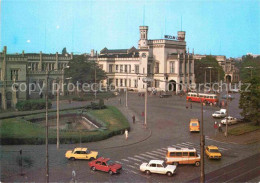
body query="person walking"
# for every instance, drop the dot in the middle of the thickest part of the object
(126, 134)
(219, 127)
(133, 117)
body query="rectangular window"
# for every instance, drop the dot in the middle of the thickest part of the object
(156, 68)
(116, 82)
(149, 69)
(192, 154)
(130, 69)
(121, 82)
(185, 154)
(125, 68)
(172, 67)
(110, 68)
(178, 153)
(14, 74)
(125, 82)
(121, 68)
(129, 82)
(136, 83)
(137, 69)
(157, 83)
(116, 68)
(172, 154)
(180, 68)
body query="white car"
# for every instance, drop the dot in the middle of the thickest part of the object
(230, 120)
(158, 166)
(220, 114)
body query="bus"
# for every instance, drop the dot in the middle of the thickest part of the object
(197, 97)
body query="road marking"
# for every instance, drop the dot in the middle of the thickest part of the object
(161, 153)
(131, 166)
(148, 156)
(125, 160)
(141, 157)
(161, 150)
(134, 159)
(119, 162)
(164, 148)
(153, 154)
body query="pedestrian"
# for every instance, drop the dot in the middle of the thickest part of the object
(126, 134)
(216, 127)
(133, 117)
(219, 127)
(190, 105)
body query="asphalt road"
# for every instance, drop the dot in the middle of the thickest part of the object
(169, 121)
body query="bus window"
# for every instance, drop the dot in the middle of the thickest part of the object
(172, 153)
(178, 153)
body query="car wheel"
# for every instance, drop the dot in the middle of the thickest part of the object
(147, 172)
(197, 163)
(176, 163)
(93, 168)
(91, 159)
(73, 159)
(169, 174)
(110, 172)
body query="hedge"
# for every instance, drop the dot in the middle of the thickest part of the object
(30, 105)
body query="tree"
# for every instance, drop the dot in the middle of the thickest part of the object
(82, 70)
(250, 101)
(201, 65)
(249, 61)
(64, 51)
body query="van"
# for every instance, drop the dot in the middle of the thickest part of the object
(182, 156)
(194, 125)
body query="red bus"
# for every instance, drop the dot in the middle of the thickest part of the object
(197, 97)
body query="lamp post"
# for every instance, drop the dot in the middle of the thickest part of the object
(202, 141)
(46, 126)
(58, 107)
(226, 132)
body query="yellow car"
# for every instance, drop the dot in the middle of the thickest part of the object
(194, 125)
(212, 152)
(81, 153)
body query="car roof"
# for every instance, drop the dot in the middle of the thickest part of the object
(212, 147)
(80, 149)
(173, 149)
(156, 161)
(103, 159)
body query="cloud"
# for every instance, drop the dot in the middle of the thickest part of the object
(28, 41)
(57, 27)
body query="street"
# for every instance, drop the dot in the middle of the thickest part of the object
(168, 119)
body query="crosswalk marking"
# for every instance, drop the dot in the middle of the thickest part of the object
(125, 160)
(153, 154)
(161, 153)
(131, 166)
(141, 157)
(134, 159)
(161, 150)
(148, 156)
(137, 164)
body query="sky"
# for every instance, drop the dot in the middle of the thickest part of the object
(223, 27)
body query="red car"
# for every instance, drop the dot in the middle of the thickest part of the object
(106, 165)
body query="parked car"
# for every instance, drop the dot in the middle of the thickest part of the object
(230, 120)
(158, 166)
(105, 165)
(81, 153)
(212, 152)
(229, 96)
(220, 114)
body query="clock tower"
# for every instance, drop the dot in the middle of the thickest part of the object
(143, 42)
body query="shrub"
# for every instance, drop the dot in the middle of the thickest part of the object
(32, 105)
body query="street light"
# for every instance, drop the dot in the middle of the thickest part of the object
(202, 144)
(58, 107)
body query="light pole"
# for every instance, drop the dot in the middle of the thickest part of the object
(250, 67)
(46, 126)
(96, 77)
(58, 107)
(226, 132)
(202, 141)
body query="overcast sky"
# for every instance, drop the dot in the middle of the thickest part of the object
(227, 27)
